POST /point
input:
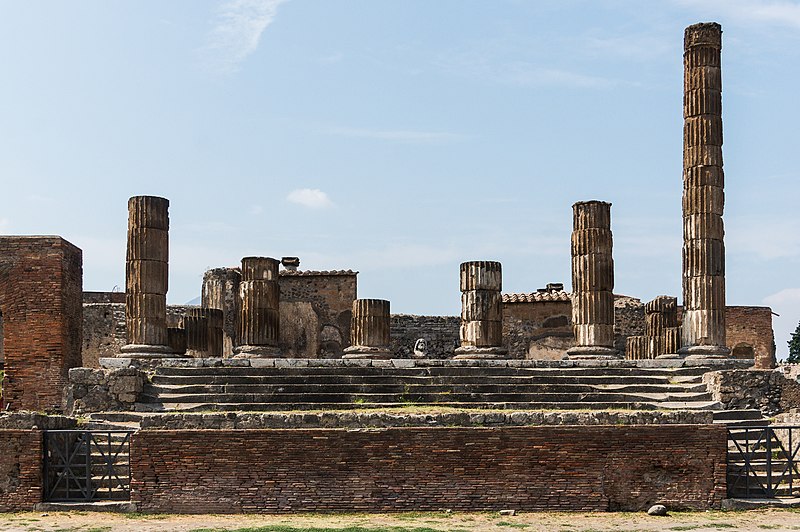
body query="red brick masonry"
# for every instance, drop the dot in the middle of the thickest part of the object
(525, 468)
(20, 469)
(41, 281)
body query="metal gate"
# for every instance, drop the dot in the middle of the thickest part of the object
(86, 465)
(763, 462)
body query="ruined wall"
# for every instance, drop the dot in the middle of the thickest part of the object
(537, 329)
(103, 297)
(104, 330)
(405, 469)
(40, 299)
(20, 469)
(748, 332)
(331, 295)
(766, 390)
(440, 333)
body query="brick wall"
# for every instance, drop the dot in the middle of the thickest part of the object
(540, 330)
(40, 299)
(748, 332)
(582, 468)
(20, 469)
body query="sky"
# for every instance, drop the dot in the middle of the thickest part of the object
(397, 138)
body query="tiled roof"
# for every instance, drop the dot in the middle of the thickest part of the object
(309, 273)
(536, 297)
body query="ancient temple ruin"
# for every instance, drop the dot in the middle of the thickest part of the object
(513, 389)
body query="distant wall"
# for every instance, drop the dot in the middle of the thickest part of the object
(418, 469)
(330, 295)
(104, 330)
(439, 332)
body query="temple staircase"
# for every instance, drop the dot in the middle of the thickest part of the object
(201, 389)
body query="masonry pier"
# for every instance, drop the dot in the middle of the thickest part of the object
(220, 291)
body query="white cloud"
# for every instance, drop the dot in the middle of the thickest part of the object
(770, 12)
(237, 32)
(397, 135)
(313, 198)
(5, 225)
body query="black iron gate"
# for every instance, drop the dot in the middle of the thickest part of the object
(763, 461)
(86, 465)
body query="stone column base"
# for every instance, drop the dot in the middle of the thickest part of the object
(479, 353)
(147, 351)
(695, 352)
(257, 351)
(584, 352)
(366, 352)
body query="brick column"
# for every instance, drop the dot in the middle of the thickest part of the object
(146, 278)
(592, 281)
(481, 330)
(703, 196)
(221, 291)
(203, 332)
(369, 330)
(259, 316)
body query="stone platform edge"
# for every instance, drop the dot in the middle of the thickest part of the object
(388, 420)
(404, 363)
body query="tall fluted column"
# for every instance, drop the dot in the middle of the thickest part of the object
(259, 316)
(369, 330)
(221, 291)
(703, 195)
(592, 281)
(146, 278)
(481, 329)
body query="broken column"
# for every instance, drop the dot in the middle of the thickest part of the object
(203, 332)
(481, 329)
(592, 281)
(369, 330)
(703, 196)
(259, 317)
(146, 278)
(662, 333)
(221, 291)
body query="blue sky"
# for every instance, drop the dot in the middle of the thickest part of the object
(397, 138)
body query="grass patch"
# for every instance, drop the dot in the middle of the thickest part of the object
(140, 515)
(513, 525)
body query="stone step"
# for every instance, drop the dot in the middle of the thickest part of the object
(431, 380)
(431, 371)
(547, 406)
(420, 388)
(737, 415)
(323, 398)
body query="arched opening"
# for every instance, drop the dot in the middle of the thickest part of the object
(743, 350)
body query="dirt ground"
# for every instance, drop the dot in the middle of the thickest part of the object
(410, 522)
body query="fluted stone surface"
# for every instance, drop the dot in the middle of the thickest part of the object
(259, 316)
(203, 332)
(592, 281)
(369, 330)
(176, 339)
(637, 348)
(662, 333)
(481, 332)
(147, 278)
(703, 330)
(660, 314)
(221, 291)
